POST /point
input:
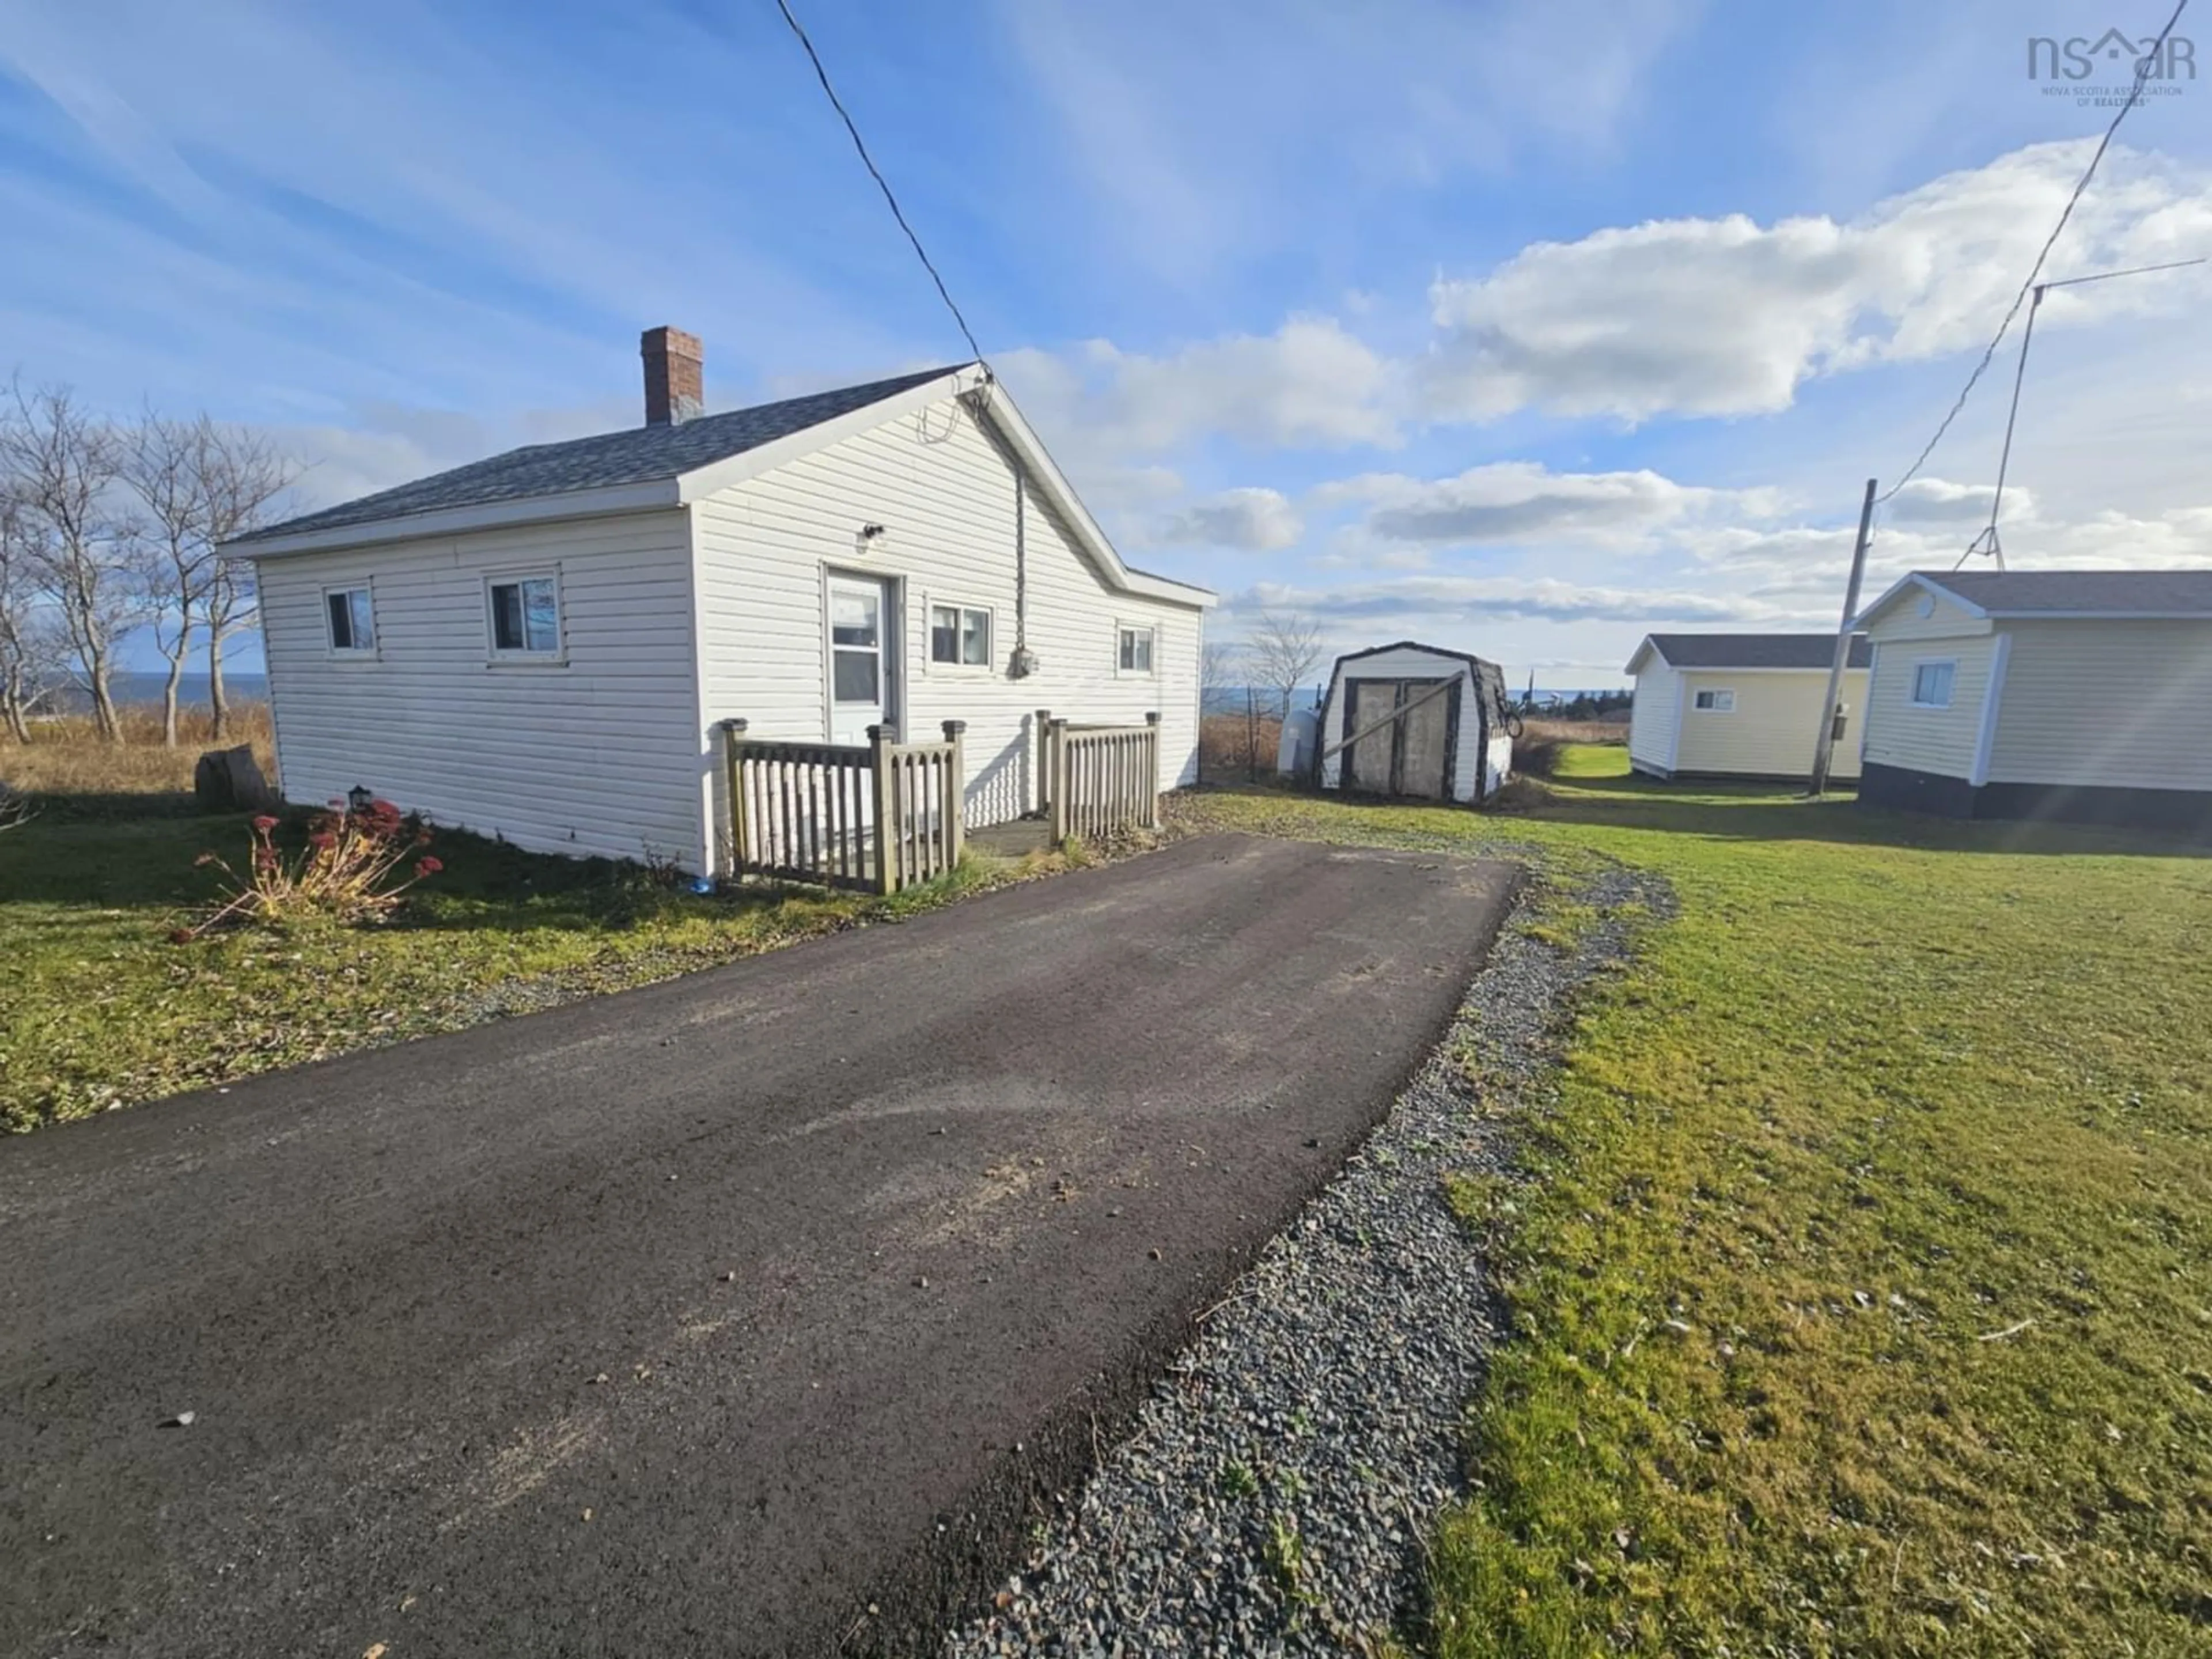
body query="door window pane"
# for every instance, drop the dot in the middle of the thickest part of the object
(852, 619)
(854, 676)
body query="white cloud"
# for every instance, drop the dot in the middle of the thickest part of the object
(1718, 317)
(1308, 385)
(1252, 520)
(1938, 501)
(1522, 501)
(1412, 602)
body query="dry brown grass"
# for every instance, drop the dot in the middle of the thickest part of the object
(66, 757)
(1232, 748)
(1576, 731)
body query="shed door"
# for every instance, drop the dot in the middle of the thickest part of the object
(1368, 762)
(1425, 741)
(1409, 755)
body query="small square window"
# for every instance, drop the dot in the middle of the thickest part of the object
(526, 616)
(1932, 683)
(352, 618)
(960, 635)
(1136, 654)
(1715, 702)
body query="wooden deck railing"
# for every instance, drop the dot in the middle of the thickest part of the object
(877, 817)
(1099, 780)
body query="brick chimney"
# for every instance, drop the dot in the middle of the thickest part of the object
(675, 377)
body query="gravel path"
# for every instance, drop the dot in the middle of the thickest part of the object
(1272, 1495)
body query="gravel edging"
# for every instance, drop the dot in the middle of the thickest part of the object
(1273, 1493)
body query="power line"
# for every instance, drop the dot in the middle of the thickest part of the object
(2142, 73)
(868, 161)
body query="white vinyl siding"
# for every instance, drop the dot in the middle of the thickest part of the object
(946, 494)
(598, 755)
(2114, 704)
(1903, 734)
(1651, 718)
(1770, 726)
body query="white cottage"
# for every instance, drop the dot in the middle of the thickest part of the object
(1416, 720)
(1741, 705)
(2078, 695)
(540, 645)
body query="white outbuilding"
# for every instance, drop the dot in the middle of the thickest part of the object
(2076, 695)
(1741, 705)
(1419, 721)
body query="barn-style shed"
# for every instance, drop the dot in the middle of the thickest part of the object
(1416, 720)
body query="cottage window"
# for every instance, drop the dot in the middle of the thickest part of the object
(1932, 683)
(1136, 651)
(526, 616)
(1715, 702)
(352, 617)
(960, 635)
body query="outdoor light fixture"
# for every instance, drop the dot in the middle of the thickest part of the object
(360, 798)
(866, 535)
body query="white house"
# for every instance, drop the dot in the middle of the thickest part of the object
(2081, 695)
(1424, 722)
(540, 645)
(1741, 705)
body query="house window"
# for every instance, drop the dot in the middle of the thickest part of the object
(352, 618)
(526, 616)
(1136, 651)
(1931, 684)
(1715, 702)
(960, 635)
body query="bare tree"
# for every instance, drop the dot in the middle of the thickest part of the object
(1285, 648)
(61, 466)
(1216, 671)
(246, 475)
(30, 653)
(160, 464)
(201, 484)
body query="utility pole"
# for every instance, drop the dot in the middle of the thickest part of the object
(1824, 746)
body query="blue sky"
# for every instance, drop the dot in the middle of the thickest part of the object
(1523, 327)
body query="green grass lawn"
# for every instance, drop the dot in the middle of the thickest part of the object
(98, 1009)
(1861, 1273)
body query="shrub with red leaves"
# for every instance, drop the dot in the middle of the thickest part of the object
(347, 873)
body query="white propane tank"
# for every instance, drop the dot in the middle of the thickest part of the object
(1300, 740)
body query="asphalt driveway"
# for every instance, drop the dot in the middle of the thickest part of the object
(698, 1319)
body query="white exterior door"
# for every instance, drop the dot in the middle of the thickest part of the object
(862, 660)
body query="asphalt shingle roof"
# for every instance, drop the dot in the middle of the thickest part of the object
(1757, 650)
(638, 455)
(2131, 593)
